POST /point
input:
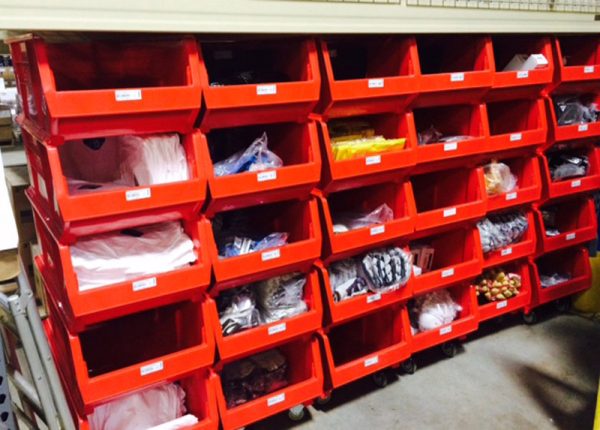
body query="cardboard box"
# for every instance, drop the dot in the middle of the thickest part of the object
(17, 181)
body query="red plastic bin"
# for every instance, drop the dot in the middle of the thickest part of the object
(72, 215)
(102, 87)
(289, 92)
(574, 261)
(576, 221)
(517, 123)
(526, 169)
(299, 218)
(338, 312)
(574, 131)
(344, 174)
(582, 55)
(570, 186)
(157, 345)
(456, 257)
(305, 373)
(397, 196)
(378, 340)
(269, 335)
(452, 120)
(489, 310)
(90, 306)
(448, 197)
(466, 322)
(454, 62)
(367, 74)
(525, 247)
(506, 47)
(297, 144)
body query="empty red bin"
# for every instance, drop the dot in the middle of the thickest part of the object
(448, 197)
(489, 310)
(506, 47)
(574, 222)
(525, 247)
(466, 123)
(517, 123)
(378, 340)
(367, 74)
(70, 214)
(82, 307)
(454, 62)
(146, 348)
(305, 377)
(249, 82)
(340, 207)
(526, 169)
(573, 262)
(587, 94)
(376, 167)
(455, 256)
(297, 144)
(578, 57)
(111, 86)
(298, 218)
(265, 336)
(579, 184)
(466, 321)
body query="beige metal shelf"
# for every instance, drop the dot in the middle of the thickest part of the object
(285, 16)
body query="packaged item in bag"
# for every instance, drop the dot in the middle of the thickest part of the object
(565, 166)
(352, 221)
(386, 269)
(497, 285)
(236, 246)
(570, 109)
(281, 297)
(552, 279)
(435, 309)
(498, 178)
(237, 310)
(345, 280)
(498, 231)
(354, 138)
(255, 158)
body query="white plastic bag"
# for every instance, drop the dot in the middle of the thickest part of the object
(436, 309)
(140, 411)
(117, 256)
(352, 221)
(498, 178)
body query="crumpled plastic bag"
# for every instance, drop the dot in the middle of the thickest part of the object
(565, 166)
(570, 110)
(141, 410)
(498, 178)
(353, 221)
(236, 245)
(255, 158)
(281, 297)
(345, 280)
(498, 231)
(237, 310)
(436, 309)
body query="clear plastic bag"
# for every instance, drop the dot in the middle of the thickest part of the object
(386, 269)
(571, 110)
(353, 221)
(255, 158)
(498, 178)
(435, 309)
(498, 231)
(237, 310)
(554, 279)
(281, 297)
(345, 280)
(236, 246)
(431, 135)
(565, 166)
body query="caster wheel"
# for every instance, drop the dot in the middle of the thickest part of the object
(563, 305)
(296, 413)
(409, 366)
(322, 401)
(530, 318)
(449, 349)
(380, 379)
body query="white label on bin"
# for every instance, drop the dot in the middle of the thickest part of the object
(501, 304)
(515, 137)
(522, 74)
(506, 251)
(264, 90)
(376, 83)
(447, 273)
(588, 69)
(275, 400)
(452, 146)
(270, 255)
(142, 193)
(271, 175)
(128, 95)
(582, 127)
(511, 196)
(373, 159)
(277, 328)
(377, 230)
(372, 361)
(446, 330)
(457, 77)
(576, 183)
(373, 298)
(152, 368)
(144, 284)
(571, 236)
(449, 212)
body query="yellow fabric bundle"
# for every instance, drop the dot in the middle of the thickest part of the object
(362, 146)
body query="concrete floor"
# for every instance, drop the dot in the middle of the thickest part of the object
(508, 376)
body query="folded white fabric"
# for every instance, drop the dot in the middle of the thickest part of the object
(142, 410)
(117, 256)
